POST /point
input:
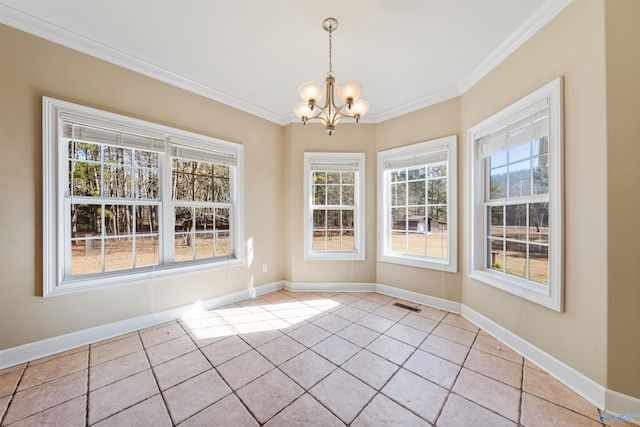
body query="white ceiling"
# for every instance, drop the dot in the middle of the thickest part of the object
(253, 54)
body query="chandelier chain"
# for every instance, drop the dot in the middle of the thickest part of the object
(330, 73)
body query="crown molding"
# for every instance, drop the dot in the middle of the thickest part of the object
(427, 101)
(531, 26)
(37, 27)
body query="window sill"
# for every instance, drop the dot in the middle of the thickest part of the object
(432, 264)
(537, 293)
(104, 280)
(335, 256)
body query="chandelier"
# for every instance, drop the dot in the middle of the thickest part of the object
(313, 93)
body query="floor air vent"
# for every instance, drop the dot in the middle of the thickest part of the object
(407, 307)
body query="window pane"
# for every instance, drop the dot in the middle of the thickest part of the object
(333, 195)
(146, 184)
(204, 245)
(118, 254)
(516, 259)
(498, 183)
(84, 151)
(181, 186)
(221, 183)
(539, 222)
(417, 244)
(117, 156)
(319, 219)
(398, 242)
(348, 195)
(498, 159)
(539, 263)
(319, 177)
(496, 255)
(398, 194)
(184, 248)
(146, 159)
(520, 152)
(416, 193)
(319, 240)
(333, 177)
(147, 219)
(417, 219)
(85, 179)
(118, 220)
(520, 179)
(416, 173)
(333, 219)
(223, 218)
(399, 218)
(146, 251)
(86, 256)
(437, 191)
(319, 194)
(437, 243)
(184, 219)
(348, 241)
(437, 171)
(348, 177)
(223, 244)
(117, 182)
(437, 218)
(348, 219)
(333, 240)
(204, 219)
(516, 222)
(399, 175)
(496, 223)
(86, 220)
(541, 174)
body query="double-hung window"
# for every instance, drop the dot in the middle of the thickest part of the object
(417, 205)
(126, 199)
(516, 202)
(334, 206)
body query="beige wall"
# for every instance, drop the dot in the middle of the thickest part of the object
(32, 68)
(623, 191)
(429, 123)
(349, 138)
(572, 46)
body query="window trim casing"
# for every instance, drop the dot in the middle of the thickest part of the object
(553, 297)
(451, 263)
(53, 200)
(360, 240)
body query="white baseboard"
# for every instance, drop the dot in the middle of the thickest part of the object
(24, 353)
(578, 382)
(419, 298)
(329, 287)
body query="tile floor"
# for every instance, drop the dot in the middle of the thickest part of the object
(290, 359)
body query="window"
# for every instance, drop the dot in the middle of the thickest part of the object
(126, 199)
(417, 205)
(516, 198)
(334, 207)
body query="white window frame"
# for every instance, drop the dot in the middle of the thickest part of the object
(55, 187)
(450, 264)
(550, 296)
(329, 159)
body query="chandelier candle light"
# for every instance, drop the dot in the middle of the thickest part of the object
(348, 92)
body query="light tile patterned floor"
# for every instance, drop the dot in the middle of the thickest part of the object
(288, 359)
